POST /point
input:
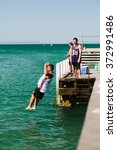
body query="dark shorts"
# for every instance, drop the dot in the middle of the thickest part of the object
(38, 94)
(76, 65)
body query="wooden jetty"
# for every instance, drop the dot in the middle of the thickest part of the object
(71, 90)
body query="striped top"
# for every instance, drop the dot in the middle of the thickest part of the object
(43, 83)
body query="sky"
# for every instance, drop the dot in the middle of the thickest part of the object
(48, 21)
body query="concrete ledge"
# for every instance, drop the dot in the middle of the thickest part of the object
(90, 135)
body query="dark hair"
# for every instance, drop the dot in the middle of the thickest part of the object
(70, 43)
(75, 39)
(51, 66)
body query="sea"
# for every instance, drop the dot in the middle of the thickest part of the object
(50, 127)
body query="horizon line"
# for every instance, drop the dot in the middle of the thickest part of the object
(46, 43)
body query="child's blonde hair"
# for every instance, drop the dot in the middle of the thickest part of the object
(70, 43)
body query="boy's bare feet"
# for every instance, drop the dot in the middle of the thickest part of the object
(79, 76)
(28, 108)
(33, 108)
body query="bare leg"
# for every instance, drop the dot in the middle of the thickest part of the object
(31, 102)
(75, 73)
(35, 104)
(78, 73)
(70, 67)
(73, 69)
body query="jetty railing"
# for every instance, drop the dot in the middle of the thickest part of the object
(62, 68)
(90, 57)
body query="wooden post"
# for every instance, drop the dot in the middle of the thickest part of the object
(64, 68)
(67, 66)
(61, 69)
(58, 74)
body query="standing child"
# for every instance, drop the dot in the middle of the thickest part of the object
(68, 55)
(42, 88)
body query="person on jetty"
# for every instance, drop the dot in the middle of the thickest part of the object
(68, 55)
(42, 88)
(75, 57)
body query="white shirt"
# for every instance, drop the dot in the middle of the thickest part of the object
(45, 85)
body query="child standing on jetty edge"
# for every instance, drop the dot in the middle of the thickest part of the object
(68, 55)
(43, 85)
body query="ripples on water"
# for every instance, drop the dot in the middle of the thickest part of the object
(49, 127)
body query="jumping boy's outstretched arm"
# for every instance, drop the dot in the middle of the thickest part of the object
(45, 68)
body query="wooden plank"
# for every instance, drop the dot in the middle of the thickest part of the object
(87, 61)
(83, 85)
(67, 91)
(82, 96)
(83, 78)
(84, 89)
(64, 84)
(91, 50)
(67, 79)
(74, 91)
(90, 59)
(83, 57)
(90, 54)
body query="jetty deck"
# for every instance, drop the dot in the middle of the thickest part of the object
(71, 90)
(90, 136)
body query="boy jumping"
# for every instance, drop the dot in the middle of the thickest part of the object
(43, 85)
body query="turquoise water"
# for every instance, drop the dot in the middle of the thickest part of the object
(49, 127)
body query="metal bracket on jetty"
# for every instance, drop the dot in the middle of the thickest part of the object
(71, 90)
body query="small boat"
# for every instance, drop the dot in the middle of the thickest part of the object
(51, 44)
